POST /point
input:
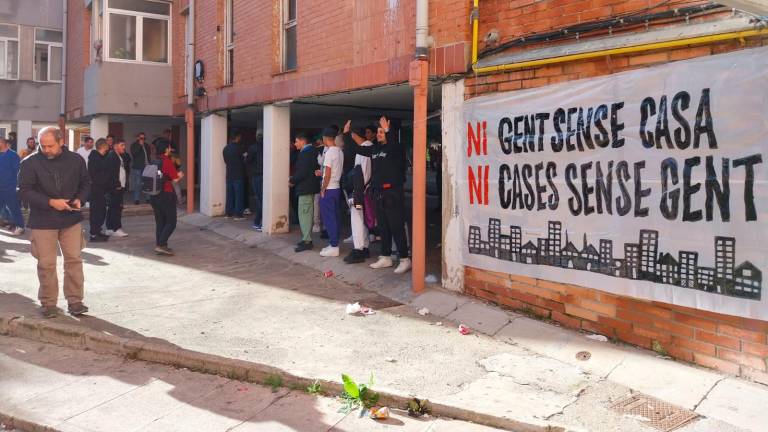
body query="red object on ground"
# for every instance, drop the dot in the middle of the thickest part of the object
(328, 273)
(464, 329)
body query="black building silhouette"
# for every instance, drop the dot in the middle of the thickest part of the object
(641, 260)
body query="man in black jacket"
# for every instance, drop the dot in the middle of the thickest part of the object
(235, 163)
(307, 184)
(387, 178)
(255, 162)
(139, 159)
(55, 183)
(101, 183)
(118, 166)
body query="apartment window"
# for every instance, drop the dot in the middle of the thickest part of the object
(48, 55)
(138, 30)
(289, 35)
(229, 43)
(9, 51)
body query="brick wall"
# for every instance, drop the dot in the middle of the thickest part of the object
(731, 344)
(342, 46)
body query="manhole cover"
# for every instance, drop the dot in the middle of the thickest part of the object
(653, 412)
(583, 355)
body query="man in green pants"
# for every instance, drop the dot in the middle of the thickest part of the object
(306, 182)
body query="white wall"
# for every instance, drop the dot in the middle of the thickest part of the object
(453, 145)
(277, 140)
(213, 188)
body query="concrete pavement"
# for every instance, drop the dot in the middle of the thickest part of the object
(50, 388)
(239, 299)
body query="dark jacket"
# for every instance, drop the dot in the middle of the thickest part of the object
(42, 179)
(139, 156)
(255, 159)
(233, 159)
(304, 179)
(113, 169)
(388, 162)
(98, 169)
(9, 170)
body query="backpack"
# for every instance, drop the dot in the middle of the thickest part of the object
(152, 179)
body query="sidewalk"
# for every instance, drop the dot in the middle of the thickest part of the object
(226, 298)
(49, 388)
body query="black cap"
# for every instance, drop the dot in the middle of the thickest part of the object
(329, 132)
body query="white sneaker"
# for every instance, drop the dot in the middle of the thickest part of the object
(17, 231)
(330, 251)
(383, 262)
(348, 239)
(404, 266)
(120, 233)
(315, 228)
(109, 233)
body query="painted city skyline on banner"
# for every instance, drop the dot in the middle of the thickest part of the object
(642, 260)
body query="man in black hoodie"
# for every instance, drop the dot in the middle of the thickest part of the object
(307, 184)
(55, 183)
(255, 162)
(235, 163)
(387, 178)
(118, 165)
(140, 153)
(101, 183)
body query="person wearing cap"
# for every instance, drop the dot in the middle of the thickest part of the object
(387, 179)
(330, 191)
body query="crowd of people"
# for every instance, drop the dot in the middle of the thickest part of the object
(342, 171)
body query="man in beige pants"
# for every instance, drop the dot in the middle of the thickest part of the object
(55, 183)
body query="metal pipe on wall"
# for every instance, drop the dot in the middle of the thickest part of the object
(62, 102)
(419, 80)
(189, 113)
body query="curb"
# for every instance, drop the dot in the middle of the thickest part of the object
(83, 338)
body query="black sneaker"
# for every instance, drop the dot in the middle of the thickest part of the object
(366, 253)
(49, 311)
(99, 238)
(77, 309)
(355, 257)
(303, 246)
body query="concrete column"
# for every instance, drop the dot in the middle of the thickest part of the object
(213, 187)
(23, 131)
(453, 144)
(277, 140)
(99, 127)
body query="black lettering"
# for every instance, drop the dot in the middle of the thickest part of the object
(527, 173)
(584, 128)
(529, 128)
(541, 117)
(570, 131)
(540, 189)
(517, 189)
(554, 198)
(505, 140)
(647, 109)
(574, 203)
(601, 113)
(704, 122)
(662, 124)
(749, 183)
(623, 202)
(518, 136)
(718, 191)
(689, 190)
(616, 127)
(505, 195)
(586, 188)
(640, 193)
(669, 168)
(682, 134)
(604, 188)
(557, 140)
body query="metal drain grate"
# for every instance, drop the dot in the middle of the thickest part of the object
(654, 412)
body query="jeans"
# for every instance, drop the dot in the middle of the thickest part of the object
(98, 211)
(235, 204)
(164, 206)
(329, 211)
(258, 197)
(115, 210)
(9, 200)
(135, 183)
(306, 210)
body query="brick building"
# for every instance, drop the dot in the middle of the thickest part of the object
(278, 67)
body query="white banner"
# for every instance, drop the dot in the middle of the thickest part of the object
(649, 183)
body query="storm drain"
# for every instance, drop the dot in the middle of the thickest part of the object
(653, 412)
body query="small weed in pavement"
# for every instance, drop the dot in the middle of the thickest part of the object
(357, 395)
(274, 381)
(315, 388)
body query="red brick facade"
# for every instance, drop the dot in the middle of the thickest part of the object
(731, 344)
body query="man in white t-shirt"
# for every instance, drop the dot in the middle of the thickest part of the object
(85, 150)
(360, 178)
(330, 192)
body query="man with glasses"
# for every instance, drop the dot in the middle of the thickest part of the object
(139, 159)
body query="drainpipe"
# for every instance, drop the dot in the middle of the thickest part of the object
(419, 80)
(63, 106)
(189, 113)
